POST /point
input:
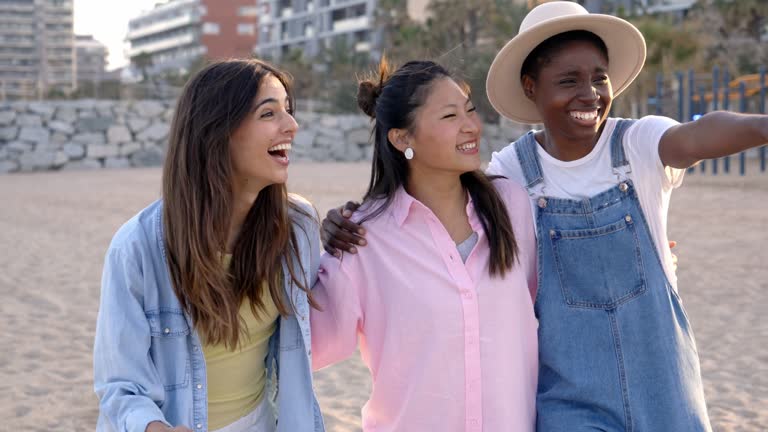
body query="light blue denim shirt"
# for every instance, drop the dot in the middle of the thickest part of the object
(148, 361)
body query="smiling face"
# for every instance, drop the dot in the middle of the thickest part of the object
(446, 130)
(259, 147)
(572, 91)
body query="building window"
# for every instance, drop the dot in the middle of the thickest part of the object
(246, 29)
(211, 28)
(248, 11)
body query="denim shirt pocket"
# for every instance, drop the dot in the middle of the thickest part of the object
(169, 348)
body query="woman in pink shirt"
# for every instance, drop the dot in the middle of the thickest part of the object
(440, 300)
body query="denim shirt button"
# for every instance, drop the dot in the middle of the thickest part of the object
(167, 330)
(199, 386)
(623, 187)
(628, 218)
(542, 202)
(199, 425)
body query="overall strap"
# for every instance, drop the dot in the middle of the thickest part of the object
(527, 155)
(618, 156)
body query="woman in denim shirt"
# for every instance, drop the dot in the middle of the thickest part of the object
(204, 316)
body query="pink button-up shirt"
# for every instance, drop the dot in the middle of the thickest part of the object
(450, 348)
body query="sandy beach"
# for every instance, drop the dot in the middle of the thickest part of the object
(55, 228)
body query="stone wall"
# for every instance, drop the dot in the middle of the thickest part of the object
(88, 134)
(82, 134)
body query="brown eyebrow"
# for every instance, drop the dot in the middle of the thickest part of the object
(270, 100)
(264, 102)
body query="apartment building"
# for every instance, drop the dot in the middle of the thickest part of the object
(311, 25)
(614, 7)
(175, 33)
(36, 48)
(91, 59)
(675, 7)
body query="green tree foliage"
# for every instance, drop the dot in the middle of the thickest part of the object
(143, 61)
(463, 35)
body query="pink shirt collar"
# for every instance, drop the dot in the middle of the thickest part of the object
(403, 204)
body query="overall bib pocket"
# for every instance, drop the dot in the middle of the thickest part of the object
(599, 268)
(169, 332)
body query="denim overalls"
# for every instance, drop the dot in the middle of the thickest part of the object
(616, 351)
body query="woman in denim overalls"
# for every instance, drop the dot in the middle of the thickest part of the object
(616, 349)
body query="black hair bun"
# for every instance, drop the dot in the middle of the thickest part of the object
(367, 94)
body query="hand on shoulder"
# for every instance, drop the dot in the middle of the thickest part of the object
(157, 426)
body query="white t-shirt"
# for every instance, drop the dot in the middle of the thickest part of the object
(592, 174)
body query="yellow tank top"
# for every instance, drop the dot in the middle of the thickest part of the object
(236, 379)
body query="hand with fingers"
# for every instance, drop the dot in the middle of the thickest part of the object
(672, 244)
(339, 233)
(157, 426)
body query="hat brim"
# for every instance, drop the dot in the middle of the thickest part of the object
(626, 56)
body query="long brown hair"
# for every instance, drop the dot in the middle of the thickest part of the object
(392, 99)
(198, 201)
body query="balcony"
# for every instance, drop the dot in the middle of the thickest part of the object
(28, 7)
(162, 45)
(162, 26)
(11, 21)
(59, 40)
(58, 55)
(21, 30)
(350, 24)
(17, 71)
(18, 43)
(30, 55)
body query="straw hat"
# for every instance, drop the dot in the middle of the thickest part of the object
(625, 43)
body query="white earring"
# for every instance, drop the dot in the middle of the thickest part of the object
(408, 153)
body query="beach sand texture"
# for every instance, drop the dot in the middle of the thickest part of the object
(55, 228)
